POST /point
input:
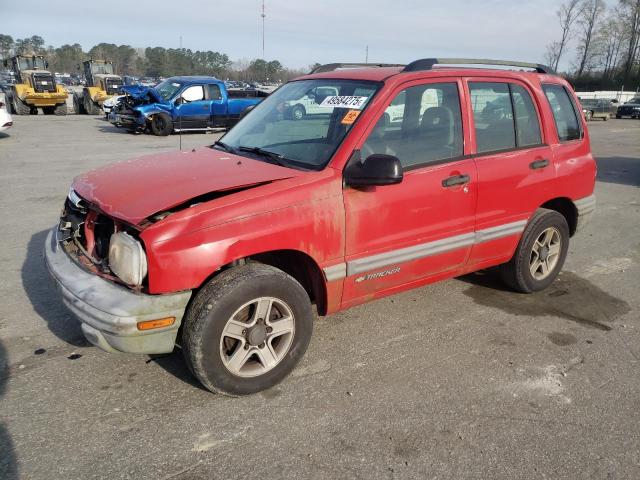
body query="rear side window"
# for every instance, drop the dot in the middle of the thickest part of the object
(527, 125)
(564, 113)
(214, 92)
(492, 116)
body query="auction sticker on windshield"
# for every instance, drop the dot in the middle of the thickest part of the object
(342, 101)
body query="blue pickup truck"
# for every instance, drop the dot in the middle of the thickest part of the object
(182, 104)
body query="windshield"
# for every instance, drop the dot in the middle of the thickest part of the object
(304, 121)
(167, 88)
(102, 68)
(32, 63)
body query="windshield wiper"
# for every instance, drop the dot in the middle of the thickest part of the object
(224, 146)
(275, 157)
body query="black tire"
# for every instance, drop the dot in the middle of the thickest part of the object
(216, 303)
(90, 106)
(48, 110)
(78, 105)
(34, 111)
(618, 116)
(19, 107)
(60, 109)
(161, 124)
(9, 101)
(298, 112)
(516, 273)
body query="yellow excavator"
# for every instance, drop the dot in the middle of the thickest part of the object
(35, 87)
(102, 84)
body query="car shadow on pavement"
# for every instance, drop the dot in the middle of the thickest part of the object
(44, 296)
(621, 170)
(8, 461)
(175, 364)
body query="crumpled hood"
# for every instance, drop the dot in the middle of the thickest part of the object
(136, 189)
(141, 93)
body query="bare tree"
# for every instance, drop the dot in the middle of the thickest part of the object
(568, 13)
(609, 38)
(588, 23)
(631, 18)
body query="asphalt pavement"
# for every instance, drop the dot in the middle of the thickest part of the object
(460, 379)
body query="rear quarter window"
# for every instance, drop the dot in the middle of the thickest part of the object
(564, 113)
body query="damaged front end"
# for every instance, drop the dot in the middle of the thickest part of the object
(100, 244)
(131, 110)
(99, 266)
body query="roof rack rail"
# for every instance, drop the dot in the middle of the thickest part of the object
(330, 67)
(429, 63)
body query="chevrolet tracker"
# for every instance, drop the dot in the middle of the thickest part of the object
(409, 175)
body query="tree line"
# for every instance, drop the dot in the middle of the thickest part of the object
(607, 44)
(150, 61)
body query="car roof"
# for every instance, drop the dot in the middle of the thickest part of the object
(397, 73)
(194, 79)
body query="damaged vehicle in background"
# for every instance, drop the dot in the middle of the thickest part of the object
(223, 250)
(181, 104)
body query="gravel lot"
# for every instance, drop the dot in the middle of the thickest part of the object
(460, 379)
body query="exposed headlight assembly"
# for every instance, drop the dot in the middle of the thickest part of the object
(127, 259)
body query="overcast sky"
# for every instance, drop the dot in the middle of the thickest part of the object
(299, 33)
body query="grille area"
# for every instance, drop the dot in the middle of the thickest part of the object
(113, 85)
(44, 82)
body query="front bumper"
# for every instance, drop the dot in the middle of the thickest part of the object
(110, 313)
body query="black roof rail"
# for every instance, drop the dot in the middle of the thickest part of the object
(330, 67)
(429, 63)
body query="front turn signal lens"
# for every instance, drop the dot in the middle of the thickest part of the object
(159, 323)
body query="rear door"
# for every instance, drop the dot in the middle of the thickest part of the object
(514, 162)
(399, 236)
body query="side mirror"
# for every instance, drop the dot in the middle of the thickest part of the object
(377, 169)
(178, 101)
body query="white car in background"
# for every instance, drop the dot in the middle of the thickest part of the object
(109, 103)
(310, 103)
(5, 118)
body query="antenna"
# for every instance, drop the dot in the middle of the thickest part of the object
(366, 55)
(263, 15)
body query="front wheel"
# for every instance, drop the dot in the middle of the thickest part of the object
(588, 116)
(161, 124)
(540, 254)
(247, 329)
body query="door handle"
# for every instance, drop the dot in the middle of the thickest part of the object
(455, 180)
(539, 164)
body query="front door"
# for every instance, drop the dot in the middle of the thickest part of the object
(402, 235)
(194, 109)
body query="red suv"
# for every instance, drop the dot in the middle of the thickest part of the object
(398, 177)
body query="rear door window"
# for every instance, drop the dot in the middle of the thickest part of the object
(492, 116)
(564, 113)
(527, 124)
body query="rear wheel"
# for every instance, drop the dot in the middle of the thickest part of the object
(247, 329)
(90, 106)
(540, 254)
(298, 112)
(161, 124)
(588, 116)
(60, 109)
(78, 105)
